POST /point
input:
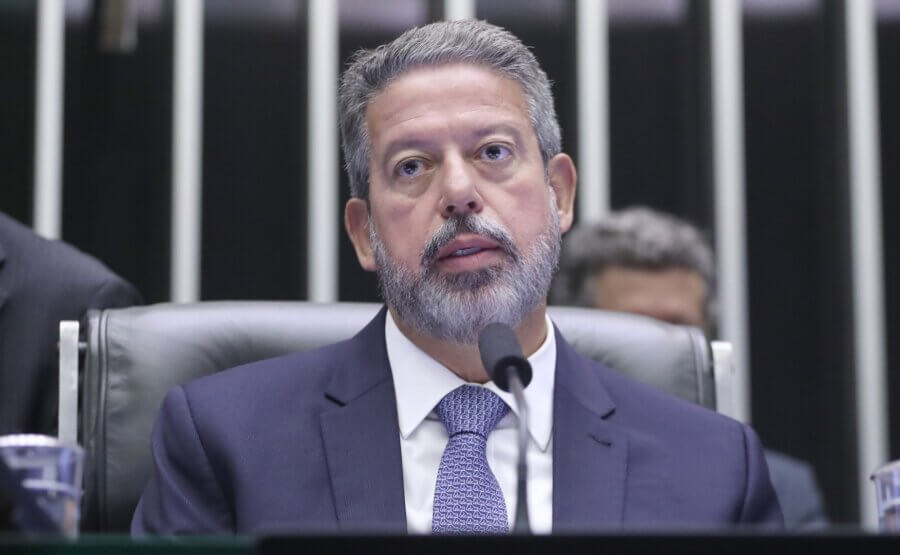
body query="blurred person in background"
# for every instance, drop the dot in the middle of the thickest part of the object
(646, 262)
(41, 283)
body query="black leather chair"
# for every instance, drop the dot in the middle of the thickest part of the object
(134, 355)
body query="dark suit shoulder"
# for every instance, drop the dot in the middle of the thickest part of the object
(641, 402)
(656, 421)
(248, 414)
(259, 427)
(23, 247)
(613, 393)
(300, 375)
(691, 451)
(57, 271)
(798, 491)
(791, 465)
(292, 387)
(656, 418)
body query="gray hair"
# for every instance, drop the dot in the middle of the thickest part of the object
(638, 238)
(468, 41)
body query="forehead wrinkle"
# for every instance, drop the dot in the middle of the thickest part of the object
(412, 90)
(429, 121)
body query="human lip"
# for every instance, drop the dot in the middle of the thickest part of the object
(466, 246)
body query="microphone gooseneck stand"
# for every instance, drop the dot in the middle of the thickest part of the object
(502, 357)
(522, 523)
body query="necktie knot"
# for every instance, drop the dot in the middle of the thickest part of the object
(471, 409)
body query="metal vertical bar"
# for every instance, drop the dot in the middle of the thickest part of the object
(726, 58)
(187, 153)
(67, 417)
(459, 9)
(723, 372)
(48, 118)
(593, 108)
(866, 247)
(322, 178)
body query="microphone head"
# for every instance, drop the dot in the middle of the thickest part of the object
(500, 350)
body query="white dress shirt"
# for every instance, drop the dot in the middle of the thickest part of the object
(420, 382)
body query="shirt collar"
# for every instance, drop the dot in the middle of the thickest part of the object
(420, 382)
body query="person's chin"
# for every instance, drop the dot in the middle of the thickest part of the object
(471, 281)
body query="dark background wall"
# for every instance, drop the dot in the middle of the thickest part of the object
(117, 147)
(889, 93)
(798, 246)
(17, 50)
(254, 150)
(117, 157)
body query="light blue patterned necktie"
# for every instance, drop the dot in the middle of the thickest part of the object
(467, 497)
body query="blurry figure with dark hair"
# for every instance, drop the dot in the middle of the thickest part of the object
(41, 283)
(646, 262)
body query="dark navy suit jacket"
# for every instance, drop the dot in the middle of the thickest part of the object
(311, 441)
(41, 283)
(798, 492)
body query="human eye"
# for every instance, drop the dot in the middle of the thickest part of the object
(496, 152)
(411, 167)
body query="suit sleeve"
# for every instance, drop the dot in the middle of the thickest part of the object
(760, 507)
(798, 492)
(811, 513)
(184, 494)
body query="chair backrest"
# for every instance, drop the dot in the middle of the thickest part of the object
(134, 355)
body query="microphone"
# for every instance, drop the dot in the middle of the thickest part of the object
(502, 357)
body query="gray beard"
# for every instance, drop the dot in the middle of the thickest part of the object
(456, 307)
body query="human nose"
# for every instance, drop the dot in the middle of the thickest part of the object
(460, 193)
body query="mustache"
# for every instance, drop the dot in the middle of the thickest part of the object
(468, 223)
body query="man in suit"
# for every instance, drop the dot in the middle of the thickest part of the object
(41, 283)
(460, 193)
(642, 261)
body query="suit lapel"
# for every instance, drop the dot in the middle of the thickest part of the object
(362, 437)
(589, 453)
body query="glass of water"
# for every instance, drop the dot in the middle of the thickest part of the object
(887, 496)
(50, 472)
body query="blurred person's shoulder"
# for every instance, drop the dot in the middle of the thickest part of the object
(56, 268)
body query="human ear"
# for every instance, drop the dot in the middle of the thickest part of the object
(356, 222)
(563, 177)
